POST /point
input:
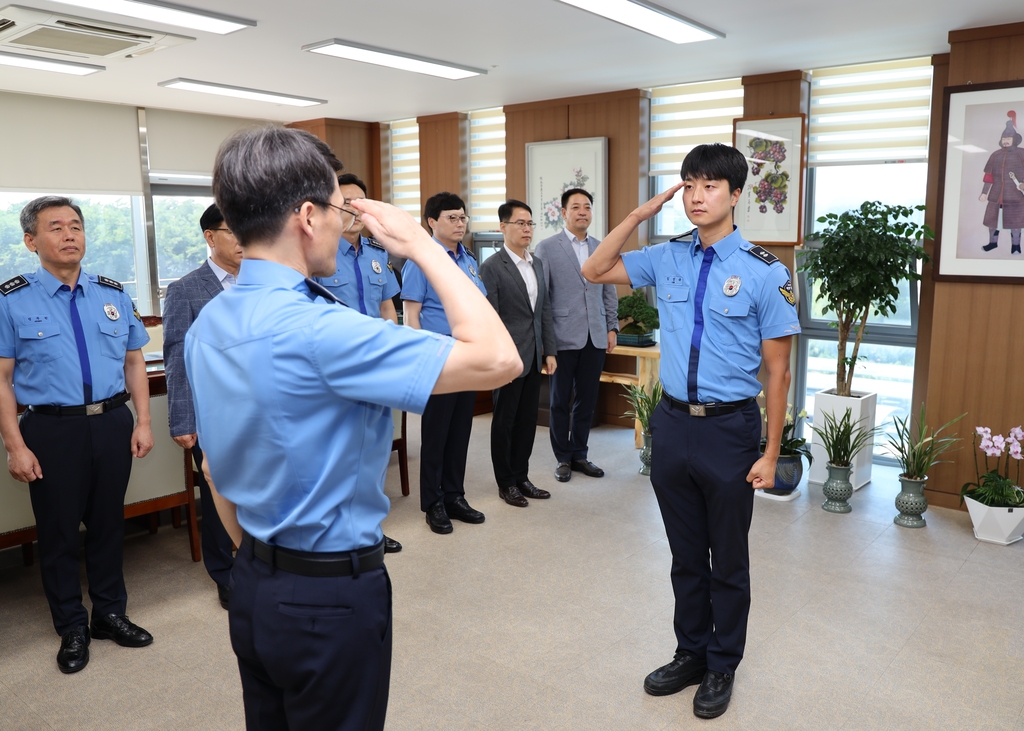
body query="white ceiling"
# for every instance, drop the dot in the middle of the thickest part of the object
(532, 49)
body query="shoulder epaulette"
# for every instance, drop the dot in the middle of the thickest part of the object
(110, 282)
(763, 254)
(370, 241)
(687, 235)
(471, 254)
(13, 284)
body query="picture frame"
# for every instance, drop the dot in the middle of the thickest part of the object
(973, 162)
(771, 207)
(556, 166)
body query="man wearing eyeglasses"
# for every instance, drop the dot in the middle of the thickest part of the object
(448, 418)
(185, 298)
(517, 290)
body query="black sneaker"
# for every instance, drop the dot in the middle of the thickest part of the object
(713, 695)
(460, 510)
(684, 671)
(116, 627)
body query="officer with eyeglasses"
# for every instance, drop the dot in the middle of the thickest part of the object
(448, 419)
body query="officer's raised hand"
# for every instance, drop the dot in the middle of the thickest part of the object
(399, 232)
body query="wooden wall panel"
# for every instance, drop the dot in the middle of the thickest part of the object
(353, 143)
(444, 154)
(523, 126)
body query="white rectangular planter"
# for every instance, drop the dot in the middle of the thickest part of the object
(996, 525)
(862, 407)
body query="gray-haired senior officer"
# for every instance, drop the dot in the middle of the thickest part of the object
(70, 343)
(293, 395)
(725, 305)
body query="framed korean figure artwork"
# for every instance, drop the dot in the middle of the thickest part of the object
(981, 185)
(770, 210)
(555, 167)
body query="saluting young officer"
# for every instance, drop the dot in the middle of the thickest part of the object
(724, 305)
(69, 343)
(293, 395)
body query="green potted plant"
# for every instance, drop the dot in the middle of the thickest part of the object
(917, 450)
(642, 317)
(996, 501)
(857, 263)
(842, 439)
(643, 405)
(789, 470)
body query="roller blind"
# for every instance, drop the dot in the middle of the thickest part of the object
(875, 112)
(686, 115)
(181, 142)
(405, 166)
(52, 144)
(486, 167)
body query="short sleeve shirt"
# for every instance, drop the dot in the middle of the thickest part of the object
(747, 300)
(36, 331)
(363, 279)
(292, 398)
(416, 288)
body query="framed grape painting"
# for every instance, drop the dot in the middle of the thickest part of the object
(770, 210)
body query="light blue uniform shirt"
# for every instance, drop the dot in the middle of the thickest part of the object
(362, 280)
(293, 401)
(416, 288)
(734, 326)
(36, 330)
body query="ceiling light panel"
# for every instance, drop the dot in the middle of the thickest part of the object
(48, 64)
(649, 19)
(159, 12)
(392, 59)
(240, 92)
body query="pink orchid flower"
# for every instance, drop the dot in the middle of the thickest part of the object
(985, 444)
(993, 451)
(983, 431)
(1015, 451)
(1017, 433)
(999, 441)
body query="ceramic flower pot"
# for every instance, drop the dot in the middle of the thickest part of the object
(789, 470)
(1002, 526)
(837, 489)
(911, 502)
(645, 455)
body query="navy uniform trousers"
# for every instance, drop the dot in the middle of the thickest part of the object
(699, 467)
(313, 652)
(574, 388)
(217, 545)
(445, 428)
(86, 462)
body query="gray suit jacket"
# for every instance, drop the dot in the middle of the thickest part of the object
(579, 308)
(185, 298)
(531, 329)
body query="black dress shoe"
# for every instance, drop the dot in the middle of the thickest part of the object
(530, 490)
(563, 472)
(512, 496)
(713, 695)
(391, 545)
(116, 627)
(437, 518)
(460, 510)
(685, 670)
(587, 467)
(74, 650)
(224, 594)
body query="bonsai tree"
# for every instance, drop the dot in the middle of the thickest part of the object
(864, 255)
(918, 449)
(642, 317)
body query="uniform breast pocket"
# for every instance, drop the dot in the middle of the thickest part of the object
(374, 291)
(672, 309)
(114, 338)
(39, 343)
(730, 320)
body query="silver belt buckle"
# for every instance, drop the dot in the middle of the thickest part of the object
(93, 409)
(697, 410)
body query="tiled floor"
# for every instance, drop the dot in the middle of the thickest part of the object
(550, 617)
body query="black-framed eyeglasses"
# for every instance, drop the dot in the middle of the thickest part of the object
(523, 224)
(225, 230)
(454, 219)
(328, 203)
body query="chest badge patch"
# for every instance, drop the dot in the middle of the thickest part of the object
(375, 265)
(472, 270)
(111, 312)
(786, 290)
(732, 286)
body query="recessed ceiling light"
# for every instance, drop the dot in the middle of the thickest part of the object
(241, 92)
(392, 59)
(649, 19)
(48, 64)
(161, 12)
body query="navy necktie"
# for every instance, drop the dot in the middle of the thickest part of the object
(318, 290)
(698, 325)
(83, 350)
(359, 284)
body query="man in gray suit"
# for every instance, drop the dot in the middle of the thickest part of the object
(185, 298)
(586, 323)
(517, 290)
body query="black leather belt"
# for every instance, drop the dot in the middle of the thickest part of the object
(709, 409)
(307, 563)
(97, 407)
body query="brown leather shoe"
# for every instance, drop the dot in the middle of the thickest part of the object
(512, 496)
(530, 490)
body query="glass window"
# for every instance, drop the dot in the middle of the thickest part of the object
(180, 246)
(672, 220)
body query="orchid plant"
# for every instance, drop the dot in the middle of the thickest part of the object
(995, 487)
(790, 445)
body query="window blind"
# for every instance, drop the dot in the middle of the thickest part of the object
(686, 115)
(875, 112)
(405, 166)
(486, 168)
